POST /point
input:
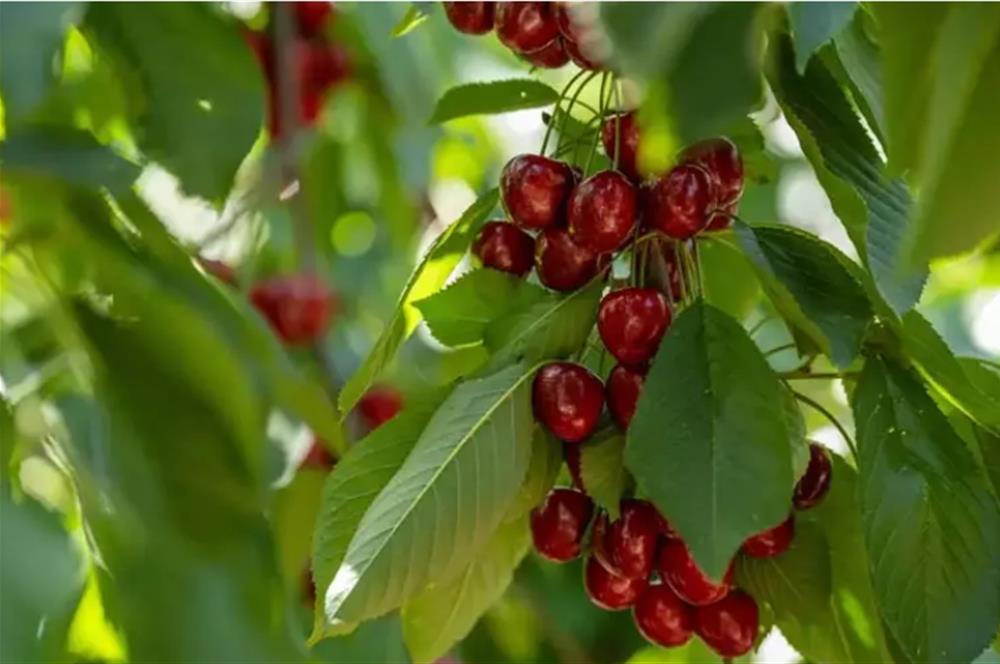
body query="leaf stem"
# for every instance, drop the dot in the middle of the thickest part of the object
(833, 420)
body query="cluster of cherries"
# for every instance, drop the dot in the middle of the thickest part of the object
(319, 64)
(546, 34)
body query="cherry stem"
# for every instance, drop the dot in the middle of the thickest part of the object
(567, 111)
(778, 349)
(833, 420)
(615, 83)
(602, 109)
(555, 111)
(759, 324)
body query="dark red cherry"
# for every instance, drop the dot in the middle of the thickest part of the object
(730, 625)
(562, 264)
(318, 456)
(622, 390)
(550, 56)
(559, 524)
(608, 591)
(379, 404)
(678, 568)
(599, 539)
(722, 218)
(623, 127)
(297, 307)
(472, 18)
(221, 270)
(571, 455)
(311, 17)
(568, 27)
(535, 190)
(632, 321)
(525, 27)
(678, 203)
(721, 158)
(602, 211)
(773, 541)
(505, 247)
(816, 482)
(630, 540)
(662, 617)
(567, 398)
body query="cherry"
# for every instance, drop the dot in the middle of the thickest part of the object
(472, 18)
(773, 541)
(730, 625)
(318, 457)
(526, 27)
(535, 189)
(581, 59)
(629, 542)
(567, 26)
(218, 269)
(505, 247)
(662, 617)
(599, 540)
(608, 591)
(631, 322)
(678, 568)
(602, 211)
(571, 455)
(551, 56)
(721, 158)
(678, 203)
(311, 16)
(559, 524)
(621, 391)
(297, 307)
(562, 264)
(814, 484)
(567, 398)
(624, 127)
(722, 218)
(379, 404)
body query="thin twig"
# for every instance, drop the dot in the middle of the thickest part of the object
(778, 349)
(833, 420)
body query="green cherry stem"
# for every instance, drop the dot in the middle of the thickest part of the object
(568, 109)
(833, 420)
(555, 111)
(778, 349)
(603, 101)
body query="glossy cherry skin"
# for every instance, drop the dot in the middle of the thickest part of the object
(318, 457)
(379, 404)
(562, 264)
(622, 390)
(505, 247)
(602, 211)
(814, 484)
(624, 127)
(678, 569)
(535, 190)
(571, 455)
(567, 398)
(472, 18)
(298, 307)
(773, 541)
(525, 27)
(565, 20)
(311, 17)
(672, 264)
(630, 540)
(662, 617)
(730, 625)
(722, 218)
(551, 56)
(609, 591)
(679, 202)
(580, 58)
(559, 524)
(721, 158)
(631, 322)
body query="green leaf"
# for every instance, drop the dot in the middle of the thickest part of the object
(202, 87)
(710, 440)
(816, 23)
(444, 503)
(492, 98)
(729, 278)
(758, 164)
(459, 314)
(932, 528)
(412, 19)
(602, 468)
(441, 616)
(816, 275)
(432, 272)
(543, 468)
(861, 61)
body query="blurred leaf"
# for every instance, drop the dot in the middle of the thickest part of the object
(861, 60)
(710, 440)
(379, 640)
(439, 617)
(91, 635)
(932, 528)
(543, 468)
(491, 98)
(296, 506)
(816, 23)
(429, 275)
(414, 16)
(730, 281)
(694, 651)
(202, 85)
(758, 164)
(444, 503)
(602, 469)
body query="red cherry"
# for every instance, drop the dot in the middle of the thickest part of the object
(624, 127)
(730, 625)
(311, 16)
(721, 158)
(472, 18)
(814, 484)
(567, 25)
(567, 398)
(318, 457)
(535, 190)
(608, 591)
(632, 321)
(663, 617)
(505, 247)
(602, 211)
(324, 66)
(598, 542)
(622, 392)
(773, 541)
(721, 219)
(562, 264)
(678, 568)
(630, 541)
(550, 56)
(571, 455)
(581, 59)
(218, 269)
(526, 27)
(379, 404)
(559, 524)
(678, 203)
(297, 307)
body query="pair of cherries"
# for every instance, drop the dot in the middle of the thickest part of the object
(546, 34)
